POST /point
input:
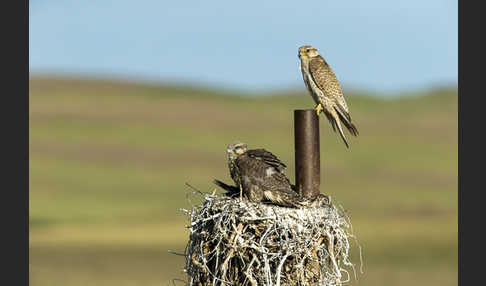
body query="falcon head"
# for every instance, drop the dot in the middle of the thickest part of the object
(235, 149)
(307, 52)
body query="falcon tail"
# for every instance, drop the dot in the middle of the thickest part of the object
(341, 131)
(336, 117)
(345, 118)
(231, 190)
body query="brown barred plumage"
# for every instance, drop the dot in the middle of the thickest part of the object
(259, 175)
(326, 91)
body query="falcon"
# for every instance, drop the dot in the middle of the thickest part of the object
(258, 175)
(325, 89)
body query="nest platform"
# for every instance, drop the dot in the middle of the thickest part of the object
(236, 242)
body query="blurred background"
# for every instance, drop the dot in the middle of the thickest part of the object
(129, 100)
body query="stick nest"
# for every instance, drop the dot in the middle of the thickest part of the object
(236, 242)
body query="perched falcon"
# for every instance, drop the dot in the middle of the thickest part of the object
(258, 175)
(325, 89)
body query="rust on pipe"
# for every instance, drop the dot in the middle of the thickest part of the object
(307, 155)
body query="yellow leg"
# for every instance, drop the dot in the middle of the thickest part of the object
(318, 109)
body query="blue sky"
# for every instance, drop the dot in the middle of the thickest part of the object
(378, 45)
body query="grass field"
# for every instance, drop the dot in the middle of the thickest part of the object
(109, 162)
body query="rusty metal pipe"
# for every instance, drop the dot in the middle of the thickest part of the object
(307, 154)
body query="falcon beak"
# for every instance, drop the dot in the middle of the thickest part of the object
(229, 150)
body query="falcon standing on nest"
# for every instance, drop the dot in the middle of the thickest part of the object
(324, 88)
(258, 175)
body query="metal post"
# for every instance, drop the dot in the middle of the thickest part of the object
(307, 155)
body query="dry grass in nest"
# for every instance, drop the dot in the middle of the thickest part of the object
(236, 242)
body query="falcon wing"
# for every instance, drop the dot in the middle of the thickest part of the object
(267, 157)
(327, 81)
(324, 77)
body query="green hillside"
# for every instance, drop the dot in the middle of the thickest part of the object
(109, 162)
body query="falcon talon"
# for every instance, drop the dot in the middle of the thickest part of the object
(318, 109)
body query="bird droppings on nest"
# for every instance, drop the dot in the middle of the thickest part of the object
(236, 242)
